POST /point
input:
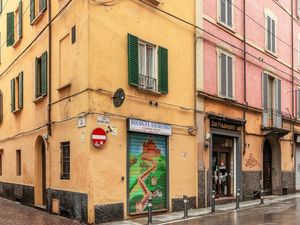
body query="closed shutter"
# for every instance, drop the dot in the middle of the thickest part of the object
(37, 78)
(223, 71)
(44, 72)
(12, 92)
(273, 36)
(147, 171)
(163, 71)
(1, 5)
(298, 3)
(43, 5)
(265, 98)
(229, 77)
(269, 33)
(10, 29)
(1, 106)
(133, 60)
(20, 19)
(223, 10)
(32, 10)
(229, 13)
(21, 90)
(299, 53)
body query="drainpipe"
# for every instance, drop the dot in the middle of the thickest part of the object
(245, 87)
(49, 101)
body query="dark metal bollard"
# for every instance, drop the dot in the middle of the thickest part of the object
(261, 196)
(238, 193)
(185, 204)
(150, 210)
(213, 201)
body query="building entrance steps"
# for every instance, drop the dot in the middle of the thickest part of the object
(194, 213)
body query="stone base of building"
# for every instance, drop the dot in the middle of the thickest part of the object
(177, 204)
(288, 182)
(17, 192)
(72, 205)
(251, 184)
(201, 189)
(109, 213)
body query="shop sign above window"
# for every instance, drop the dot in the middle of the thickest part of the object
(149, 127)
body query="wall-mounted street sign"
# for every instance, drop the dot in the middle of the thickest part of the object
(99, 137)
(149, 127)
(103, 120)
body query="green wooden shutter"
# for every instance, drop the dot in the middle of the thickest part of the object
(1, 5)
(43, 5)
(133, 60)
(44, 73)
(20, 19)
(32, 10)
(37, 79)
(265, 99)
(12, 92)
(163, 86)
(21, 90)
(10, 29)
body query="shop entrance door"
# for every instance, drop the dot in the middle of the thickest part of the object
(223, 166)
(267, 168)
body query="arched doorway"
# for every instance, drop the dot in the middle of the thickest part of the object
(40, 192)
(272, 166)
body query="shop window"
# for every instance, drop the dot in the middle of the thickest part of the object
(271, 93)
(17, 93)
(226, 75)
(37, 9)
(41, 73)
(65, 160)
(14, 26)
(148, 65)
(18, 163)
(226, 12)
(270, 32)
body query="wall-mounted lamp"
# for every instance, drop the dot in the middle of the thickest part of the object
(206, 142)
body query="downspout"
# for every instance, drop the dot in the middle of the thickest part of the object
(245, 90)
(49, 102)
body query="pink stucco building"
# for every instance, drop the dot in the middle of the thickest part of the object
(248, 76)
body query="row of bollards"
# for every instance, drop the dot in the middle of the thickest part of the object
(213, 203)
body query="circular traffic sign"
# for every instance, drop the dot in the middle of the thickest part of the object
(99, 137)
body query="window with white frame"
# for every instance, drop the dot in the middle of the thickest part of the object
(226, 74)
(226, 12)
(147, 72)
(298, 7)
(270, 28)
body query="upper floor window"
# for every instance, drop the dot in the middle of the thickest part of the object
(226, 74)
(298, 8)
(65, 160)
(1, 161)
(226, 12)
(298, 103)
(298, 55)
(37, 8)
(14, 26)
(270, 32)
(41, 75)
(147, 65)
(271, 101)
(17, 93)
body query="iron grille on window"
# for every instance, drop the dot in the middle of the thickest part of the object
(65, 160)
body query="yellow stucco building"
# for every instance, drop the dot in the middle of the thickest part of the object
(62, 62)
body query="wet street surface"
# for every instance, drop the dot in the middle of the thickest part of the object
(283, 213)
(12, 213)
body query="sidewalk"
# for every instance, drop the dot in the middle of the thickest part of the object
(178, 216)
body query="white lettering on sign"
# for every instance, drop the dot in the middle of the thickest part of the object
(99, 137)
(81, 122)
(103, 120)
(150, 127)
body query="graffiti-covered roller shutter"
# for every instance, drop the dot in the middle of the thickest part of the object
(148, 155)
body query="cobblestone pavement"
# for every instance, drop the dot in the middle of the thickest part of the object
(281, 213)
(12, 213)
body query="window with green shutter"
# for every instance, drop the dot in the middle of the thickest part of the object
(17, 90)
(41, 75)
(15, 26)
(1, 106)
(226, 75)
(147, 65)
(37, 8)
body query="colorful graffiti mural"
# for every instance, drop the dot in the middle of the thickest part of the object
(147, 172)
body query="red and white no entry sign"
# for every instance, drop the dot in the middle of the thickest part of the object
(99, 137)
